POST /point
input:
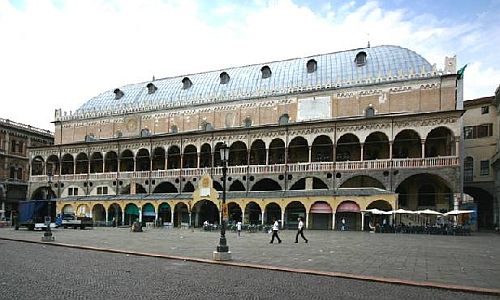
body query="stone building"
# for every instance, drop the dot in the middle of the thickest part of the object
(15, 138)
(324, 137)
(480, 146)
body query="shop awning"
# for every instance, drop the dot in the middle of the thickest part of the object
(132, 210)
(348, 207)
(321, 208)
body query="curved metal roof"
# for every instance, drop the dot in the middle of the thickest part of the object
(334, 70)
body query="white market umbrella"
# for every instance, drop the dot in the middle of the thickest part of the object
(376, 211)
(428, 212)
(404, 211)
(458, 212)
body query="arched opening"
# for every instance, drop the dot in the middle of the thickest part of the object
(174, 158)
(266, 184)
(131, 213)
(439, 142)
(181, 215)
(217, 186)
(205, 210)
(99, 215)
(272, 212)
(111, 162)
(205, 156)
(164, 214)
(348, 216)
(217, 160)
(115, 214)
(253, 214)
(298, 150)
(483, 205)
(407, 144)
(190, 157)
(321, 215)
(258, 153)
(188, 187)
(67, 165)
(127, 161)
(348, 148)
(234, 212)
(148, 213)
(376, 146)
(83, 210)
(238, 154)
(284, 119)
(362, 181)
(377, 221)
(52, 164)
(237, 186)
(293, 211)
(322, 149)
(142, 160)
(96, 162)
(165, 187)
(276, 152)
(82, 163)
(37, 166)
(159, 158)
(423, 191)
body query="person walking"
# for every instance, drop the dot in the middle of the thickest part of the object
(276, 228)
(238, 228)
(300, 230)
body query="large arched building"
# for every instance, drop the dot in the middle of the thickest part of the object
(322, 137)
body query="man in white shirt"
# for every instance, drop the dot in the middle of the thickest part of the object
(300, 230)
(276, 228)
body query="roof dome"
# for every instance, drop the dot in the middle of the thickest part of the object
(333, 70)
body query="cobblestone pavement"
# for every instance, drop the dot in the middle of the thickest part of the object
(472, 261)
(38, 271)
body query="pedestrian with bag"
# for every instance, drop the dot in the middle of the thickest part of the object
(276, 228)
(300, 231)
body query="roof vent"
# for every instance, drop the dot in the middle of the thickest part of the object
(360, 59)
(266, 72)
(224, 78)
(118, 94)
(151, 88)
(312, 66)
(186, 83)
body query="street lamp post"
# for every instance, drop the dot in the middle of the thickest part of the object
(223, 252)
(47, 235)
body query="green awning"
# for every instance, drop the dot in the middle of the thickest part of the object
(148, 208)
(132, 210)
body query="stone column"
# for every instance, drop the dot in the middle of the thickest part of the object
(307, 220)
(140, 215)
(333, 221)
(267, 156)
(172, 216)
(242, 216)
(262, 221)
(282, 218)
(123, 218)
(362, 151)
(362, 220)
(423, 148)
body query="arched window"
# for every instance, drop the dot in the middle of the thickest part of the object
(360, 59)
(312, 66)
(151, 88)
(284, 119)
(186, 83)
(206, 126)
(369, 112)
(224, 78)
(468, 169)
(174, 129)
(248, 122)
(118, 94)
(145, 132)
(266, 72)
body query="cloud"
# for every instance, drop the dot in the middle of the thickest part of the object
(61, 54)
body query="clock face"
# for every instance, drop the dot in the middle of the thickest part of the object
(131, 124)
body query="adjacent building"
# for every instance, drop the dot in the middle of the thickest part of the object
(15, 138)
(480, 135)
(324, 137)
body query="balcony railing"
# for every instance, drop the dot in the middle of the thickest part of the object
(400, 163)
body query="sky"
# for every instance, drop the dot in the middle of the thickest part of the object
(58, 54)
